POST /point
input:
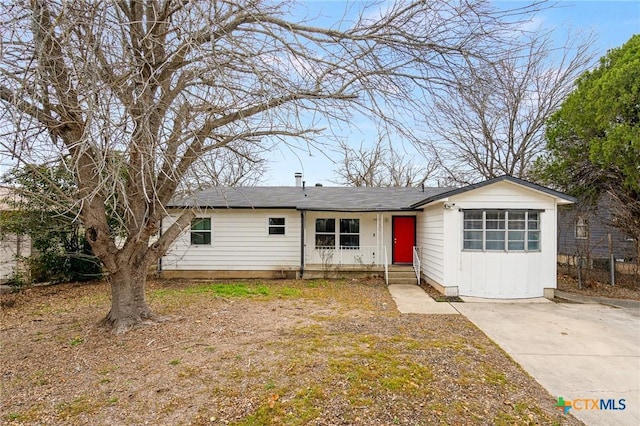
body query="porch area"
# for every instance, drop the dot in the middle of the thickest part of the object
(362, 262)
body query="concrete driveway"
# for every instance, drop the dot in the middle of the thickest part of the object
(582, 353)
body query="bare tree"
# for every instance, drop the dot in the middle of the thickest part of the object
(380, 165)
(361, 166)
(242, 165)
(136, 93)
(491, 122)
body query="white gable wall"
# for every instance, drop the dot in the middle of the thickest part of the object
(430, 239)
(497, 274)
(239, 241)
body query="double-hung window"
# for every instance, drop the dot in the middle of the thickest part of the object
(582, 230)
(325, 233)
(350, 233)
(501, 230)
(201, 231)
(346, 235)
(276, 225)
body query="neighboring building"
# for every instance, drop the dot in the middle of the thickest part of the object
(494, 239)
(14, 248)
(583, 231)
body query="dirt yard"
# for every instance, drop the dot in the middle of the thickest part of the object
(596, 283)
(256, 353)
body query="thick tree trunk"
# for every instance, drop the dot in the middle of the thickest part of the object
(128, 302)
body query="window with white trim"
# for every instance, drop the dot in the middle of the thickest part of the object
(350, 233)
(501, 230)
(325, 233)
(582, 229)
(276, 225)
(201, 231)
(346, 236)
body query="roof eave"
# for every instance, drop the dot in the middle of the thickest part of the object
(560, 197)
(346, 210)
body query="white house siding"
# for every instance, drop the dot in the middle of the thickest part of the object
(369, 252)
(500, 274)
(430, 239)
(375, 236)
(239, 242)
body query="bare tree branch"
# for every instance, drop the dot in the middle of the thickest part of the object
(491, 122)
(380, 165)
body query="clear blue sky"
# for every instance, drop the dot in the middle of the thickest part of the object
(613, 23)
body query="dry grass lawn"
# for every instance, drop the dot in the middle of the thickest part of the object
(256, 353)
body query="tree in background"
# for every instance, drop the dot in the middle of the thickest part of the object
(241, 165)
(380, 165)
(60, 250)
(136, 93)
(594, 139)
(491, 122)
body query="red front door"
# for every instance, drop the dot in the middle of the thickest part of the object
(404, 238)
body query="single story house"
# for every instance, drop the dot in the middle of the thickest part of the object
(495, 239)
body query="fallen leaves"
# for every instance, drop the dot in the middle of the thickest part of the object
(255, 361)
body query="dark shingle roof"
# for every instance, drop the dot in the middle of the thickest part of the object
(330, 198)
(311, 198)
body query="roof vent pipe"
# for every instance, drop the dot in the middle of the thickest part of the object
(298, 177)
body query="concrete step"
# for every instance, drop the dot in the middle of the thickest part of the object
(402, 274)
(400, 268)
(394, 280)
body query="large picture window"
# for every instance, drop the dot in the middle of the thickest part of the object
(350, 233)
(325, 233)
(501, 230)
(201, 231)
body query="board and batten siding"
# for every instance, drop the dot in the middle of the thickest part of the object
(430, 239)
(500, 274)
(239, 241)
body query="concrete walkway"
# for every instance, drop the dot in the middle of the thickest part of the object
(582, 352)
(575, 351)
(411, 299)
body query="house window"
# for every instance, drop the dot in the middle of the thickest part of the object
(473, 233)
(533, 231)
(350, 233)
(325, 233)
(501, 230)
(582, 230)
(495, 225)
(276, 226)
(201, 231)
